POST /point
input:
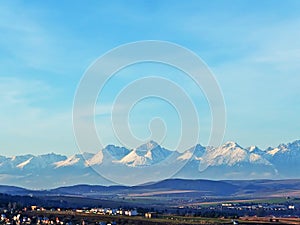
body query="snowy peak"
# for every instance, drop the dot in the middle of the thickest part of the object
(198, 151)
(254, 149)
(97, 159)
(146, 155)
(117, 152)
(294, 146)
(68, 162)
(10, 163)
(231, 145)
(231, 154)
(194, 153)
(148, 146)
(273, 152)
(78, 160)
(19, 159)
(21, 165)
(30, 162)
(290, 149)
(109, 154)
(45, 161)
(286, 156)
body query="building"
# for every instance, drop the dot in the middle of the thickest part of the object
(150, 215)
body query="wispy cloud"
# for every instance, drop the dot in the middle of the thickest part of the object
(26, 125)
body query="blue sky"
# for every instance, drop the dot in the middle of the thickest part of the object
(252, 47)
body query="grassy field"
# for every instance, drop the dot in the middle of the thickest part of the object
(278, 200)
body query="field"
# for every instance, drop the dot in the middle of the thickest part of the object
(268, 220)
(90, 218)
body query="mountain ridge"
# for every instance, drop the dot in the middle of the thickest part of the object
(228, 161)
(169, 187)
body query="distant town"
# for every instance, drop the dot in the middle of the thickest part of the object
(219, 213)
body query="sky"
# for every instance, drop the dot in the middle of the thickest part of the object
(251, 47)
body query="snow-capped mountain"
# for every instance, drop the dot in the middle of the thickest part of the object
(146, 155)
(230, 154)
(28, 163)
(109, 154)
(194, 153)
(77, 160)
(229, 161)
(41, 161)
(14, 161)
(289, 151)
(254, 149)
(286, 158)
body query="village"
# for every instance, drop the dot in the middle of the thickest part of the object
(283, 209)
(13, 215)
(41, 215)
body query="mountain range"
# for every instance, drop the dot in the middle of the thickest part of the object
(151, 162)
(164, 194)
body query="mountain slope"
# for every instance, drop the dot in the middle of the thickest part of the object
(109, 154)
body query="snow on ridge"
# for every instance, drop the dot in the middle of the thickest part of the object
(258, 159)
(97, 159)
(185, 156)
(21, 165)
(68, 162)
(230, 156)
(273, 151)
(145, 155)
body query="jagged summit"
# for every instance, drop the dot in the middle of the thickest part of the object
(147, 146)
(146, 155)
(231, 144)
